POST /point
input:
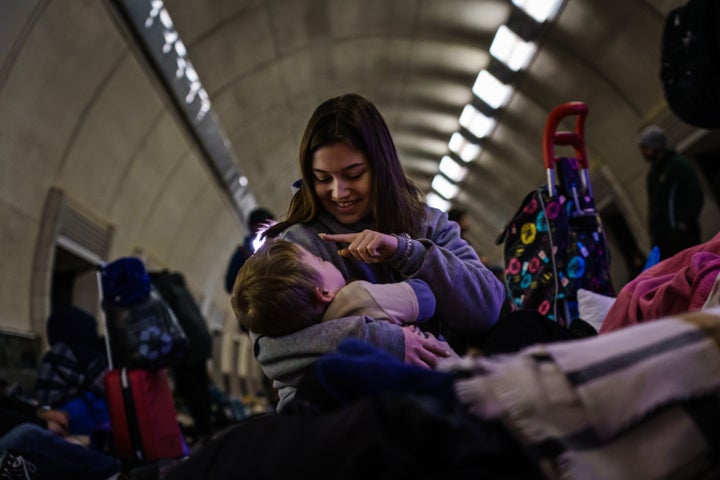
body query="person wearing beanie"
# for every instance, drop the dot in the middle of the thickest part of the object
(675, 196)
(258, 218)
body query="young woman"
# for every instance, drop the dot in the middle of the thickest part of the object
(357, 209)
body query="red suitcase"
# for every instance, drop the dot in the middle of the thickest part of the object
(143, 419)
(142, 415)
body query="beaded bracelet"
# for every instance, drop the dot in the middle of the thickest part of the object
(406, 253)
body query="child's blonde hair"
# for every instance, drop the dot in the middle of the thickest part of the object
(274, 291)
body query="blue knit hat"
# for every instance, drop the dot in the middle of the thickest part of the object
(125, 281)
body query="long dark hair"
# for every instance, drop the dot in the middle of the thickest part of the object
(397, 205)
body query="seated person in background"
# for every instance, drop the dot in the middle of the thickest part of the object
(283, 288)
(37, 453)
(16, 411)
(33, 440)
(70, 374)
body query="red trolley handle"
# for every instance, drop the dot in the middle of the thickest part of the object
(575, 139)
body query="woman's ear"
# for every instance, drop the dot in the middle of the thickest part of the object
(324, 296)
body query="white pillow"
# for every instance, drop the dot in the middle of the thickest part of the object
(593, 307)
(714, 296)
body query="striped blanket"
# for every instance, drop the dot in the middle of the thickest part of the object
(639, 403)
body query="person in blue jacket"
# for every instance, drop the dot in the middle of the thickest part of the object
(33, 444)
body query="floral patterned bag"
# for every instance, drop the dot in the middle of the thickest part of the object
(555, 244)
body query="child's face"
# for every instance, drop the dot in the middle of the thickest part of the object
(331, 278)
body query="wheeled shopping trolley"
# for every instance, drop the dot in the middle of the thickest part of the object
(555, 244)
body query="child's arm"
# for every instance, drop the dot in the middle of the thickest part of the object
(400, 303)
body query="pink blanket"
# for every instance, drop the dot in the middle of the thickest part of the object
(678, 284)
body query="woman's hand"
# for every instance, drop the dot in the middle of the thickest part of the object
(423, 349)
(368, 246)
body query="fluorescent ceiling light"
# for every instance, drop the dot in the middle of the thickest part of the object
(451, 169)
(435, 200)
(491, 90)
(540, 10)
(477, 123)
(512, 50)
(445, 187)
(464, 148)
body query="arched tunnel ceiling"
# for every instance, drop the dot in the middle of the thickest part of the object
(415, 60)
(267, 64)
(83, 113)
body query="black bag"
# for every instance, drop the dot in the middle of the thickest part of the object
(690, 62)
(174, 291)
(142, 330)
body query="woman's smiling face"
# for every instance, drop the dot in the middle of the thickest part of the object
(343, 182)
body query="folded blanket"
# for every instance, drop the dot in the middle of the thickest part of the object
(640, 403)
(681, 283)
